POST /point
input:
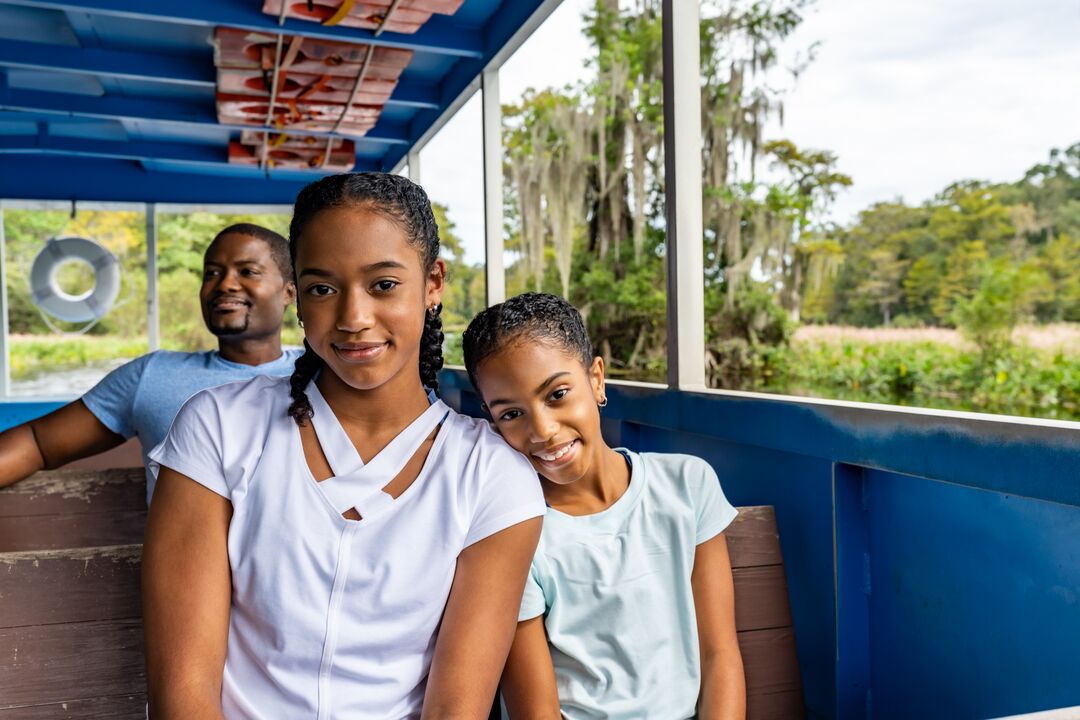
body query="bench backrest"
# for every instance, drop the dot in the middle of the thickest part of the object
(763, 617)
(70, 612)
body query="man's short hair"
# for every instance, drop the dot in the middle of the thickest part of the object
(279, 246)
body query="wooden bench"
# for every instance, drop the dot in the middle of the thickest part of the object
(70, 612)
(763, 617)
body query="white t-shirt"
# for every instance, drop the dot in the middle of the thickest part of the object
(332, 617)
(614, 589)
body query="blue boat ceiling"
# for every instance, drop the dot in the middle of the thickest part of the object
(118, 100)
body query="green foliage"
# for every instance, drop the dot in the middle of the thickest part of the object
(929, 262)
(745, 338)
(1002, 299)
(1018, 380)
(31, 355)
(464, 294)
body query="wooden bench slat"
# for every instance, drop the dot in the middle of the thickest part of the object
(55, 492)
(752, 537)
(44, 664)
(786, 705)
(770, 661)
(119, 707)
(761, 599)
(58, 532)
(62, 586)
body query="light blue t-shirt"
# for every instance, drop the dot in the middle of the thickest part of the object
(143, 396)
(614, 589)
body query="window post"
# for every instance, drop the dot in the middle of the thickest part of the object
(413, 161)
(5, 346)
(495, 276)
(682, 193)
(153, 337)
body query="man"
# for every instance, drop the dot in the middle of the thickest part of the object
(247, 285)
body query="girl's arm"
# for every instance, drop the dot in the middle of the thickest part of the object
(528, 682)
(723, 686)
(478, 623)
(186, 587)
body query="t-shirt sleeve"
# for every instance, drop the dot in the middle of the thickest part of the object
(112, 401)
(532, 602)
(509, 493)
(714, 512)
(193, 446)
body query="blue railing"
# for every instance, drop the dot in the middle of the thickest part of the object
(932, 558)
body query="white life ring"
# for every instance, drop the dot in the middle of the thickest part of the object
(50, 298)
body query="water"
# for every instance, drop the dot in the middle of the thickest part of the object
(64, 383)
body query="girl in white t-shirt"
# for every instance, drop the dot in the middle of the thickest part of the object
(628, 610)
(339, 543)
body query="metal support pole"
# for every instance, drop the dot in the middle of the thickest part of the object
(5, 346)
(495, 275)
(153, 336)
(413, 159)
(682, 195)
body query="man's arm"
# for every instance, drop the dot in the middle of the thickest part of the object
(478, 623)
(723, 686)
(64, 435)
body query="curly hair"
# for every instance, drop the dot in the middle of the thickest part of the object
(540, 317)
(405, 203)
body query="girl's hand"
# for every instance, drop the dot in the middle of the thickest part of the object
(478, 624)
(723, 685)
(528, 682)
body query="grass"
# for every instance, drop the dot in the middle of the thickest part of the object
(1053, 337)
(1037, 375)
(33, 355)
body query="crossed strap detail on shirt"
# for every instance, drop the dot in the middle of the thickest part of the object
(356, 484)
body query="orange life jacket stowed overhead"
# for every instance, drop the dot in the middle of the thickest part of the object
(408, 16)
(302, 153)
(288, 82)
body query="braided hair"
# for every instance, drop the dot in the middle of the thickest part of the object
(531, 316)
(405, 203)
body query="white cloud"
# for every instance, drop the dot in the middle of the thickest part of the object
(910, 95)
(913, 96)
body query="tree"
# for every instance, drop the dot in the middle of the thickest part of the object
(882, 285)
(585, 176)
(463, 296)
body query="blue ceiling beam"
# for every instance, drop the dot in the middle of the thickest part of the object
(124, 150)
(155, 67)
(440, 35)
(113, 107)
(178, 70)
(64, 178)
(186, 153)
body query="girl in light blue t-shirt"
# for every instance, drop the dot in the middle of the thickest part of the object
(628, 611)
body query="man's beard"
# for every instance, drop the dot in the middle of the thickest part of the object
(218, 331)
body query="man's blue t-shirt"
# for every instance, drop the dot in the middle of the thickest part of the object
(143, 396)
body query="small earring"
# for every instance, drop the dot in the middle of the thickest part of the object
(433, 310)
(300, 322)
(602, 403)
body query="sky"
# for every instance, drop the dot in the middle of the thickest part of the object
(911, 96)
